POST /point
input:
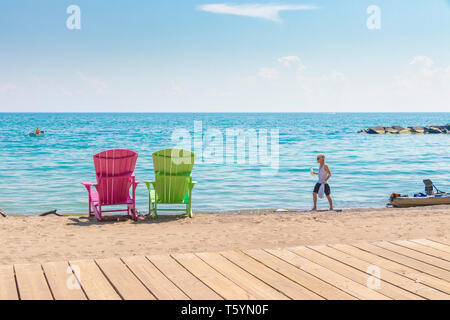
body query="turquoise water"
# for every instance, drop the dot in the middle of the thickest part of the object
(41, 174)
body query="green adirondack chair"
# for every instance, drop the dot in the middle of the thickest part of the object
(173, 180)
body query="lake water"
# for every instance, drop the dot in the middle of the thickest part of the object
(41, 174)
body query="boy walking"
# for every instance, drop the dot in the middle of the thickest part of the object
(324, 175)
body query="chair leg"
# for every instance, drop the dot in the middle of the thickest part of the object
(190, 204)
(152, 210)
(155, 210)
(150, 204)
(90, 208)
(134, 214)
(98, 213)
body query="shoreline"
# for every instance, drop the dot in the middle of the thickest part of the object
(232, 212)
(32, 239)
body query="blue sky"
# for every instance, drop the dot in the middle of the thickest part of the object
(180, 55)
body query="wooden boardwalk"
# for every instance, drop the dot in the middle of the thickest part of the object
(412, 269)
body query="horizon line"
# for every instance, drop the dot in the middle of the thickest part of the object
(214, 112)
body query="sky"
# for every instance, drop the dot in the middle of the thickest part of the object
(239, 56)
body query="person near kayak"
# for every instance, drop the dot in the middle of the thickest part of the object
(324, 175)
(37, 131)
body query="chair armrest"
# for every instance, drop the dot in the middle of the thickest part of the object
(88, 185)
(135, 184)
(133, 181)
(151, 193)
(148, 184)
(192, 184)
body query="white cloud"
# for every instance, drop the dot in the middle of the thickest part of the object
(268, 73)
(336, 76)
(176, 89)
(98, 85)
(422, 60)
(10, 88)
(330, 83)
(263, 11)
(422, 77)
(291, 72)
(416, 84)
(422, 86)
(287, 87)
(289, 61)
(70, 93)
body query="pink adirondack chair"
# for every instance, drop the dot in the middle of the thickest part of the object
(114, 170)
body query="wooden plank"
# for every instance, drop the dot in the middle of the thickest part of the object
(183, 279)
(351, 287)
(445, 265)
(299, 276)
(123, 280)
(213, 279)
(441, 240)
(423, 249)
(433, 244)
(359, 271)
(153, 279)
(405, 260)
(63, 283)
(242, 278)
(362, 252)
(392, 285)
(288, 287)
(31, 282)
(8, 288)
(93, 281)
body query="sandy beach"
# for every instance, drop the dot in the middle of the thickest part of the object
(26, 239)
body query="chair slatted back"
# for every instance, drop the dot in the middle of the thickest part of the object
(173, 170)
(114, 170)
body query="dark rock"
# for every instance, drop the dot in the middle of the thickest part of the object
(416, 129)
(404, 131)
(376, 130)
(390, 130)
(433, 130)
